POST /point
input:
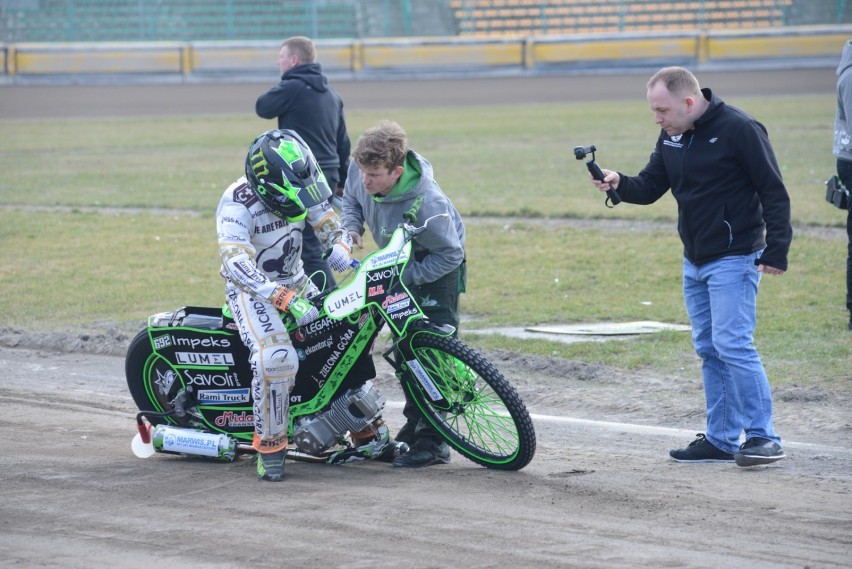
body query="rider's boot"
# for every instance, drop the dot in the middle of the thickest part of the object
(376, 442)
(270, 465)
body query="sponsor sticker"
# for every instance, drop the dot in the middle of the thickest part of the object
(165, 381)
(230, 419)
(204, 359)
(204, 444)
(193, 343)
(425, 380)
(223, 396)
(211, 379)
(161, 342)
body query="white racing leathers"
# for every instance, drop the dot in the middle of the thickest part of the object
(260, 253)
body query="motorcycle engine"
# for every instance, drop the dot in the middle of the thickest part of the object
(353, 411)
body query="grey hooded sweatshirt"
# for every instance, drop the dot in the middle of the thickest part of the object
(439, 249)
(843, 118)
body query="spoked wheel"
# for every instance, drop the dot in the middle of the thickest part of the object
(470, 403)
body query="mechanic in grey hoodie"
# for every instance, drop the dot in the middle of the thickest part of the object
(843, 151)
(304, 102)
(386, 180)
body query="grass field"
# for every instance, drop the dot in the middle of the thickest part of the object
(70, 265)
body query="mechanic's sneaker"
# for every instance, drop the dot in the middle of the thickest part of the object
(701, 450)
(757, 451)
(424, 452)
(270, 466)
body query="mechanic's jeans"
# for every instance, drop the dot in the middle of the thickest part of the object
(721, 300)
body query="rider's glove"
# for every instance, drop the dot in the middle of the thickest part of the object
(282, 297)
(287, 300)
(303, 311)
(339, 258)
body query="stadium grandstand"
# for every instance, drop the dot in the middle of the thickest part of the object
(559, 17)
(218, 20)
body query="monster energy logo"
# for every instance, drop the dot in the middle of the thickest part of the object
(314, 192)
(259, 163)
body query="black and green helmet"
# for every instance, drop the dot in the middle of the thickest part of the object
(284, 174)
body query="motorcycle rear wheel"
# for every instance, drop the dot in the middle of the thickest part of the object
(480, 415)
(137, 369)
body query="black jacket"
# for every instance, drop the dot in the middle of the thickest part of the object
(303, 101)
(730, 195)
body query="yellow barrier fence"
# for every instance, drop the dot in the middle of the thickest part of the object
(394, 57)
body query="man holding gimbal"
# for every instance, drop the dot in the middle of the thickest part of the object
(734, 221)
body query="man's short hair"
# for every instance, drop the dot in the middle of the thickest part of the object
(677, 80)
(382, 145)
(301, 47)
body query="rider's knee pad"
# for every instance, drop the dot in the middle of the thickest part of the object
(277, 359)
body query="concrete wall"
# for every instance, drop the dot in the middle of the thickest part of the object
(382, 58)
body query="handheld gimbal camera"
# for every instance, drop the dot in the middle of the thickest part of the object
(587, 153)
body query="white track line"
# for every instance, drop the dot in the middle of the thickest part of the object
(639, 429)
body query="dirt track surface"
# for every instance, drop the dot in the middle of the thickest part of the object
(201, 99)
(600, 493)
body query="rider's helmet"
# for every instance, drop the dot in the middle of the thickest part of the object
(284, 174)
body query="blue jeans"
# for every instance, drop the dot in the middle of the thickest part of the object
(721, 301)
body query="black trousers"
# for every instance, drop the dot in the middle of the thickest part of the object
(440, 302)
(315, 265)
(312, 250)
(844, 172)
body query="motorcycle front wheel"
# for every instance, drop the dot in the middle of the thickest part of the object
(469, 403)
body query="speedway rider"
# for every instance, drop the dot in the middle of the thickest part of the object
(259, 222)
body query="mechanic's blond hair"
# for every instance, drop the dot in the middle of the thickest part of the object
(382, 145)
(677, 80)
(301, 47)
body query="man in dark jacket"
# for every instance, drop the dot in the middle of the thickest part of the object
(734, 222)
(304, 102)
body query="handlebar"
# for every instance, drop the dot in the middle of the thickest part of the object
(410, 232)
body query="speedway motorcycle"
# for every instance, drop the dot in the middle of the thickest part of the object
(189, 375)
